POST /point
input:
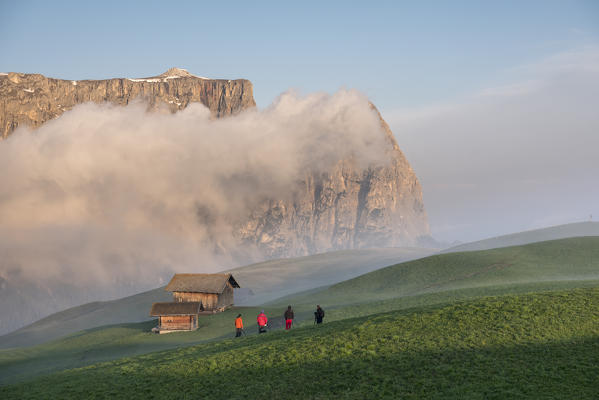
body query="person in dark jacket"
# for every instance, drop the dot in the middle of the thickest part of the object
(318, 315)
(288, 318)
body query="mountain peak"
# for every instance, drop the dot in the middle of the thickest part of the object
(176, 72)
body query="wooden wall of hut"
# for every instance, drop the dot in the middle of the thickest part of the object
(208, 300)
(178, 322)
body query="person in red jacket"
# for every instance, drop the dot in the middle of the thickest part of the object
(288, 318)
(262, 322)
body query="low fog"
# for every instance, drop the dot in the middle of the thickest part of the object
(110, 195)
(520, 156)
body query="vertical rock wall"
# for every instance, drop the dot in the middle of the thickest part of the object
(345, 208)
(32, 99)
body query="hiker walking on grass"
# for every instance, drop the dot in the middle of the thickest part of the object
(318, 315)
(238, 326)
(262, 322)
(288, 318)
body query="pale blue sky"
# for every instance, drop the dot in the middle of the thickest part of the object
(493, 102)
(399, 53)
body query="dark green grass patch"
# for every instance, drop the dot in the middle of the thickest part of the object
(518, 346)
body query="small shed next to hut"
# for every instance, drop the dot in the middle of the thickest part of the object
(214, 292)
(176, 316)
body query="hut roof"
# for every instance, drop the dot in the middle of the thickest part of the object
(188, 308)
(200, 283)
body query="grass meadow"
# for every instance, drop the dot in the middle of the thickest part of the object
(543, 345)
(458, 325)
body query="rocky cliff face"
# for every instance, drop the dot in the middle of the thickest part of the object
(32, 99)
(344, 208)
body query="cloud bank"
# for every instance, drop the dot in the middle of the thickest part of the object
(519, 156)
(116, 195)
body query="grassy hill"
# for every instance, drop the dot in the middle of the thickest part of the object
(269, 280)
(439, 279)
(577, 229)
(516, 346)
(124, 340)
(574, 259)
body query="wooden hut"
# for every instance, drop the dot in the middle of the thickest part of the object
(176, 316)
(214, 292)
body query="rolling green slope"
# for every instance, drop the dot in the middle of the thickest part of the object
(577, 229)
(516, 346)
(564, 260)
(273, 279)
(269, 280)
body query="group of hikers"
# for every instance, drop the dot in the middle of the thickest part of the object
(288, 316)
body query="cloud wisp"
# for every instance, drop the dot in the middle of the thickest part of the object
(114, 195)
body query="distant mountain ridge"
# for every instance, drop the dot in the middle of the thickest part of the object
(32, 99)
